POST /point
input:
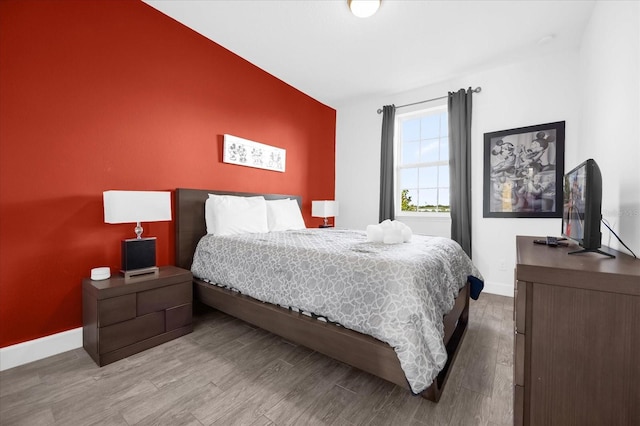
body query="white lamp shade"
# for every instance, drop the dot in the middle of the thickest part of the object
(327, 208)
(136, 206)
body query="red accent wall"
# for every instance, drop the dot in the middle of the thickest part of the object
(103, 94)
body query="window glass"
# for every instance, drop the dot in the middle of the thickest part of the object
(428, 177)
(411, 152)
(430, 126)
(422, 163)
(411, 130)
(409, 178)
(429, 150)
(444, 149)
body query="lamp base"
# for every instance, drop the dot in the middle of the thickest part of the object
(138, 253)
(134, 274)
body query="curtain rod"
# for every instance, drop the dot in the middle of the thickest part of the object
(476, 90)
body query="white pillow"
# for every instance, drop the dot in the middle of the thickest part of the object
(284, 215)
(230, 215)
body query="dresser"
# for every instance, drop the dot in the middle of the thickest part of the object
(577, 337)
(122, 317)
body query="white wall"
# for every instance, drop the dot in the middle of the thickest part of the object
(594, 89)
(610, 114)
(532, 92)
(358, 131)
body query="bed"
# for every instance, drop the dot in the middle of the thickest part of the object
(351, 347)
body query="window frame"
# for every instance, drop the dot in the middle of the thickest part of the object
(397, 142)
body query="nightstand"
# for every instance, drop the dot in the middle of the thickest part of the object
(123, 317)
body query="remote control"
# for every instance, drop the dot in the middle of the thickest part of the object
(552, 241)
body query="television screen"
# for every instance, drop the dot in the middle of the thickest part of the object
(574, 204)
(582, 203)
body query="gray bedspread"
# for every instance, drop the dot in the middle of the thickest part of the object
(395, 293)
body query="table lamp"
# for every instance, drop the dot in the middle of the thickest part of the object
(138, 254)
(324, 209)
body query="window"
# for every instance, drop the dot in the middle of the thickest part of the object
(422, 161)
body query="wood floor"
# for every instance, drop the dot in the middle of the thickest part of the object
(228, 373)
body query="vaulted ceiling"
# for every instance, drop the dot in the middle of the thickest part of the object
(320, 48)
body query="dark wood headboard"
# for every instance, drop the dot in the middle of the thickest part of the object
(190, 224)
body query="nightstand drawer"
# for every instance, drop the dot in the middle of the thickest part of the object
(122, 317)
(116, 309)
(178, 317)
(165, 297)
(122, 334)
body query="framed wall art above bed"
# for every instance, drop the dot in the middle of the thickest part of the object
(523, 171)
(244, 152)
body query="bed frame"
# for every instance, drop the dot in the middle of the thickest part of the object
(356, 349)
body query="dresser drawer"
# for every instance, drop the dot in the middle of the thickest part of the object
(116, 309)
(163, 298)
(520, 305)
(122, 334)
(518, 362)
(518, 405)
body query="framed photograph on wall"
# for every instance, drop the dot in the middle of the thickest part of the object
(523, 170)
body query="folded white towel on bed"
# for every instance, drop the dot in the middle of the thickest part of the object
(389, 232)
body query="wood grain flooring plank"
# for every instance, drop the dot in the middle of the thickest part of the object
(249, 363)
(316, 377)
(162, 400)
(114, 419)
(501, 406)
(184, 408)
(250, 397)
(19, 382)
(480, 370)
(397, 408)
(105, 399)
(42, 417)
(221, 333)
(43, 397)
(204, 362)
(471, 408)
(436, 414)
(229, 372)
(263, 421)
(488, 334)
(504, 355)
(325, 408)
(233, 396)
(371, 393)
(459, 368)
(263, 394)
(143, 366)
(172, 417)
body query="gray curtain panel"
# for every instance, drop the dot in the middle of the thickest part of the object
(386, 164)
(460, 167)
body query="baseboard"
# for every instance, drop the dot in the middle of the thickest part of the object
(498, 288)
(33, 350)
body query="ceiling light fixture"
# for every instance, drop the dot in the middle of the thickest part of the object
(364, 8)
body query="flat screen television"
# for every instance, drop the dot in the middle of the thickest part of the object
(582, 204)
